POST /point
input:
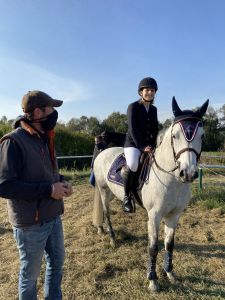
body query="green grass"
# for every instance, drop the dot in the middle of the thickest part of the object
(210, 197)
(95, 271)
(76, 176)
(214, 153)
(213, 160)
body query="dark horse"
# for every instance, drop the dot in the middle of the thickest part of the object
(113, 139)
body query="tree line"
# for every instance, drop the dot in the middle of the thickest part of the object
(76, 137)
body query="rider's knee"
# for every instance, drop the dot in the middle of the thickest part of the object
(133, 167)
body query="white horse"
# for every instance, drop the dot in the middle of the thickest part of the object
(167, 191)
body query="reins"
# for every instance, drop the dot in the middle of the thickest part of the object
(163, 170)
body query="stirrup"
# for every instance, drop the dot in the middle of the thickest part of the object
(128, 205)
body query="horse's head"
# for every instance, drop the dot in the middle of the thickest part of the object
(186, 139)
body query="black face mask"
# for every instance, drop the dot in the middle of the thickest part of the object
(50, 121)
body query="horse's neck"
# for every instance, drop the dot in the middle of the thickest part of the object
(164, 152)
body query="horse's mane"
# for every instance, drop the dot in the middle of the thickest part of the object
(160, 136)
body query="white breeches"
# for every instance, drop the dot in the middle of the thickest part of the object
(132, 156)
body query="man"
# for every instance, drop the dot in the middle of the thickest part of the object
(29, 178)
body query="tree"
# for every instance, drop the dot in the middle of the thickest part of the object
(93, 126)
(3, 120)
(116, 122)
(222, 124)
(90, 125)
(222, 118)
(213, 138)
(74, 124)
(167, 123)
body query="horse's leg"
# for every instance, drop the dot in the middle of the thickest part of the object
(107, 196)
(170, 227)
(98, 211)
(153, 230)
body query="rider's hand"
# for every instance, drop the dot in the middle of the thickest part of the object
(148, 149)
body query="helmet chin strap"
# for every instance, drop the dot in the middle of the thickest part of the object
(147, 101)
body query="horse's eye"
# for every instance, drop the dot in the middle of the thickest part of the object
(202, 137)
(173, 136)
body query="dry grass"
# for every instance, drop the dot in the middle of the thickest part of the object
(93, 270)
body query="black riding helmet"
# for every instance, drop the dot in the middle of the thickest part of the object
(147, 82)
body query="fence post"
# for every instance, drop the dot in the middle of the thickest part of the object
(200, 178)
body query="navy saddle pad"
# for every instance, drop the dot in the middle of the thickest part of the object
(114, 174)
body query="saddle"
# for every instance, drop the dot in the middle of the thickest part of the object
(115, 173)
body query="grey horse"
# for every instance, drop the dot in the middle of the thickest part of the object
(167, 192)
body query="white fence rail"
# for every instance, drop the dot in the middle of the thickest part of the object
(76, 156)
(211, 166)
(88, 156)
(212, 156)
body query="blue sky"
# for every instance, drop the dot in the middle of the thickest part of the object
(93, 53)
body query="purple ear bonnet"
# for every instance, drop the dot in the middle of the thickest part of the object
(189, 128)
(189, 120)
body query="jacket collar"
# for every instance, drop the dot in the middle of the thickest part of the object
(29, 128)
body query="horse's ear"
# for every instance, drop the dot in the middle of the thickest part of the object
(201, 111)
(176, 109)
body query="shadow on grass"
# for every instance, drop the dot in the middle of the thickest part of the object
(212, 250)
(184, 287)
(109, 272)
(187, 287)
(4, 230)
(127, 238)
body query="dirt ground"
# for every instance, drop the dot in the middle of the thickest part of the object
(93, 270)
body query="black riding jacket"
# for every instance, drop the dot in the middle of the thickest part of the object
(142, 126)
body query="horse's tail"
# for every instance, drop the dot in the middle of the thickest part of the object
(97, 208)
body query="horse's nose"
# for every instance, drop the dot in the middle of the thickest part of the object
(188, 176)
(182, 173)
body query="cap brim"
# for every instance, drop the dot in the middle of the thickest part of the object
(56, 103)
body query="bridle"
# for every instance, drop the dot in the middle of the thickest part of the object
(177, 155)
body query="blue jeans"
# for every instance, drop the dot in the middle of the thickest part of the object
(32, 243)
(92, 179)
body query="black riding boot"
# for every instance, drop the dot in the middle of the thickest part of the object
(127, 201)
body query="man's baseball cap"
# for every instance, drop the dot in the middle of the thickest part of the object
(34, 99)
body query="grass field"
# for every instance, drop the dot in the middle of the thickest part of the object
(93, 270)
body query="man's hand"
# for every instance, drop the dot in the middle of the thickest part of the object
(61, 189)
(69, 188)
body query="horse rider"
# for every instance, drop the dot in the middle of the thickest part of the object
(141, 135)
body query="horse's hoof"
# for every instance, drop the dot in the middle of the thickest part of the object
(172, 277)
(153, 286)
(112, 243)
(100, 230)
